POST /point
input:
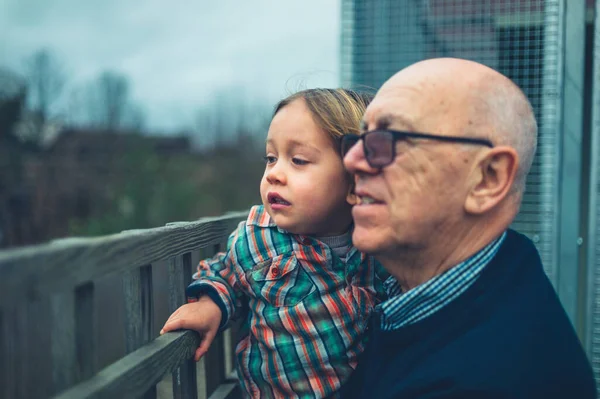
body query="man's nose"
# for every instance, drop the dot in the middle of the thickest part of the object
(355, 160)
(276, 175)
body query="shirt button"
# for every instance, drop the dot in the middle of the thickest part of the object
(275, 271)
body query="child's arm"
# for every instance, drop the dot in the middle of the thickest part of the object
(212, 297)
(203, 316)
(216, 278)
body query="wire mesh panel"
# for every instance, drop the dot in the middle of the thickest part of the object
(520, 38)
(593, 252)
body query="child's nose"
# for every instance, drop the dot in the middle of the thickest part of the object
(276, 175)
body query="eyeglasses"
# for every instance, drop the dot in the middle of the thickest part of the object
(380, 145)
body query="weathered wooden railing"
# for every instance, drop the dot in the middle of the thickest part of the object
(49, 316)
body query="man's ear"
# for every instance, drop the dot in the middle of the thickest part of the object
(491, 179)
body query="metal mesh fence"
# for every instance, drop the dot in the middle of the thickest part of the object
(593, 253)
(520, 38)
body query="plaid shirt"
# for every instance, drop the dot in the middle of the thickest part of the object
(402, 309)
(308, 310)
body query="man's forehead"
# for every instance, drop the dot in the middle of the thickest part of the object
(397, 121)
(391, 112)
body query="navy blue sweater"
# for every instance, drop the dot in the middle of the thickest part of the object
(506, 336)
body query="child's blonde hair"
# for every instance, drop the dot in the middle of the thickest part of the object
(336, 111)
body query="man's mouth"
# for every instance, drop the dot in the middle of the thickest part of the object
(276, 199)
(365, 199)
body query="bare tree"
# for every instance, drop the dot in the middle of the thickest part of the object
(15, 220)
(135, 118)
(12, 97)
(231, 115)
(109, 104)
(46, 81)
(113, 91)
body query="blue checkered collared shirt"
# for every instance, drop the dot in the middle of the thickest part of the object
(406, 308)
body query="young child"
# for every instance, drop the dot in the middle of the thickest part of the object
(309, 291)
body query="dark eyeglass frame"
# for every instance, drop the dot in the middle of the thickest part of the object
(400, 135)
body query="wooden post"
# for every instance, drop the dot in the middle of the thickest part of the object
(85, 330)
(184, 378)
(215, 365)
(63, 343)
(13, 324)
(234, 335)
(72, 337)
(5, 358)
(139, 312)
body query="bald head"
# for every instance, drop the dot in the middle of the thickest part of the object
(475, 101)
(440, 200)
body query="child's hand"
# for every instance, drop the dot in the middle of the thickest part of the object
(203, 316)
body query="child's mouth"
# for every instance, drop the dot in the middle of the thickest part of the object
(277, 201)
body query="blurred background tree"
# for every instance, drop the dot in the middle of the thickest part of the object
(79, 160)
(45, 81)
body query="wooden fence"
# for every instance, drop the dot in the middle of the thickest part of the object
(58, 281)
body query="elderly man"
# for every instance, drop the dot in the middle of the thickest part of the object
(440, 173)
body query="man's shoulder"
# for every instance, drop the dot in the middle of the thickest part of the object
(529, 336)
(486, 368)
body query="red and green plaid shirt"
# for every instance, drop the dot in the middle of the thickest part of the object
(308, 309)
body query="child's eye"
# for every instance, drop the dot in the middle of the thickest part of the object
(270, 159)
(298, 161)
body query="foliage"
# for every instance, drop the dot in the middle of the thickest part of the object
(154, 190)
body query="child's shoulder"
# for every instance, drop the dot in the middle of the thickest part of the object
(258, 217)
(258, 239)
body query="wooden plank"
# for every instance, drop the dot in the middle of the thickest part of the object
(139, 306)
(227, 351)
(63, 343)
(201, 378)
(36, 358)
(13, 326)
(36, 272)
(7, 356)
(215, 357)
(233, 339)
(139, 312)
(184, 377)
(85, 330)
(72, 335)
(131, 376)
(215, 365)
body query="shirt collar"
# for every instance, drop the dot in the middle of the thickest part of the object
(258, 216)
(422, 301)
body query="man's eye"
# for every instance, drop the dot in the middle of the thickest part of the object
(298, 161)
(269, 159)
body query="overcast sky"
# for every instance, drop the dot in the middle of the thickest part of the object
(178, 54)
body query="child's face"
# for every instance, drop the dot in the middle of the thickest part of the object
(305, 186)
